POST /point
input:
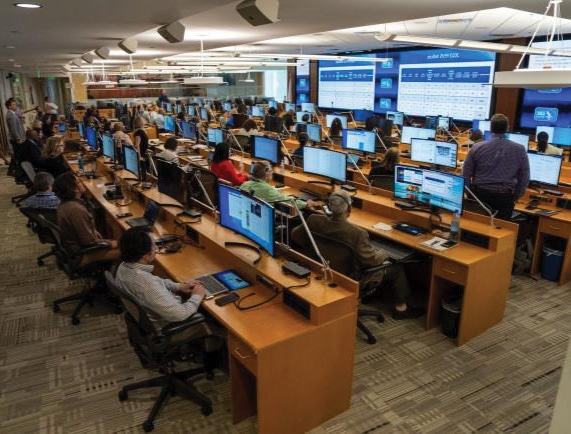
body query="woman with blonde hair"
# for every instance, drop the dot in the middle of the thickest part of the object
(52, 160)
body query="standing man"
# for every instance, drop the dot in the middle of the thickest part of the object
(50, 107)
(16, 135)
(497, 170)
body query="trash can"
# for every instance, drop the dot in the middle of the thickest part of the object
(551, 261)
(450, 310)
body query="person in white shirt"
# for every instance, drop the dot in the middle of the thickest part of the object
(50, 107)
(119, 134)
(169, 154)
(544, 147)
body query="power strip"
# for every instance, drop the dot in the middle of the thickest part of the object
(296, 269)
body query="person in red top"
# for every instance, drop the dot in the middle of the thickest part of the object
(222, 166)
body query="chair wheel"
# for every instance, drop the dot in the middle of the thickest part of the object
(123, 395)
(56, 308)
(371, 340)
(210, 375)
(75, 320)
(381, 318)
(206, 410)
(148, 426)
(40, 263)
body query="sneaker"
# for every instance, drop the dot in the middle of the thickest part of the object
(410, 312)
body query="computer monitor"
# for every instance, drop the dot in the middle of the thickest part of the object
(131, 161)
(62, 127)
(108, 148)
(272, 104)
(431, 122)
(266, 148)
(190, 110)
(433, 152)
(444, 122)
(329, 119)
(557, 135)
(396, 117)
(178, 108)
(544, 169)
(299, 116)
(274, 124)
(482, 125)
(91, 137)
(289, 106)
(81, 129)
(522, 139)
(441, 190)
(201, 188)
(258, 111)
(308, 107)
(359, 140)
(169, 124)
(215, 136)
(314, 132)
(324, 162)
(409, 133)
(188, 130)
(227, 106)
(204, 114)
(247, 215)
(171, 179)
(168, 107)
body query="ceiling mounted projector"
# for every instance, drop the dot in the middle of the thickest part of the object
(259, 12)
(129, 46)
(203, 80)
(173, 32)
(103, 53)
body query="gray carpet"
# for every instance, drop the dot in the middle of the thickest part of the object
(58, 378)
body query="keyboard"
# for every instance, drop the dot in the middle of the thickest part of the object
(396, 251)
(211, 285)
(307, 195)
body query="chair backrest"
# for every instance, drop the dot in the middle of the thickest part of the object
(38, 224)
(171, 178)
(244, 142)
(386, 182)
(28, 170)
(66, 261)
(341, 256)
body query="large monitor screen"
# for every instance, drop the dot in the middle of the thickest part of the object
(544, 169)
(314, 132)
(359, 140)
(433, 152)
(108, 148)
(258, 111)
(396, 117)
(324, 162)
(482, 125)
(330, 118)
(132, 162)
(247, 215)
(169, 124)
(266, 148)
(557, 135)
(409, 133)
(188, 130)
(215, 136)
(273, 104)
(444, 123)
(429, 187)
(91, 137)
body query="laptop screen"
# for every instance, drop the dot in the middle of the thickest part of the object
(152, 211)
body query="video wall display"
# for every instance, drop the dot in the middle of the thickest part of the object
(302, 81)
(446, 82)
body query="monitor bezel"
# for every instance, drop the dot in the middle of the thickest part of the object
(349, 132)
(333, 179)
(414, 141)
(130, 149)
(532, 155)
(255, 152)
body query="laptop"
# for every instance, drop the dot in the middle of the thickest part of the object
(222, 281)
(148, 219)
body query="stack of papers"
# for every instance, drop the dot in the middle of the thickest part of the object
(439, 244)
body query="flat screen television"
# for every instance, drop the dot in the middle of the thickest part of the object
(431, 122)
(131, 161)
(266, 148)
(434, 152)
(544, 169)
(482, 125)
(204, 114)
(215, 136)
(359, 140)
(303, 117)
(314, 132)
(108, 148)
(444, 122)
(409, 133)
(432, 188)
(329, 119)
(169, 124)
(273, 104)
(324, 162)
(274, 124)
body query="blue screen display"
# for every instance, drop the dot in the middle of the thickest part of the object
(215, 136)
(108, 146)
(188, 130)
(266, 148)
(132, 163)
(314, 132)
(91, 137)
(169, 124)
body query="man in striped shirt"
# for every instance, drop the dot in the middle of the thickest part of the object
(498, 169)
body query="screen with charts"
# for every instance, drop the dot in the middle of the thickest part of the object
(215, 136)
(266, 148)
(557, 135)
(409, 133)
(429, 187)
(396, 117)
(433, 152)
(359, 140)
(544, 169)
(247, 215)
(324, 162)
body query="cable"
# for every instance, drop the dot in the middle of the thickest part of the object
(237, 303)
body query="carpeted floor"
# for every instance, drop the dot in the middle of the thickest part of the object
(58, 378)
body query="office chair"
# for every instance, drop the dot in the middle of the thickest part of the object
(26, 177)
(170, 177)
(159, 351)
(341, 258)
(69, 263)
(386, 182)
(40, 229)
(244, 142)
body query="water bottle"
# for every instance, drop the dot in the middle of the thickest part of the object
(455, 227)
(80, 164)
(282, 166)
(118, 192)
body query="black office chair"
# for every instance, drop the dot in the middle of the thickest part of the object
(159, 351)
(26, 177)
(40, 229)
(69, 263)
(244, 142)
(386, 182)
(342, 258)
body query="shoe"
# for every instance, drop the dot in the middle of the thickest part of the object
(409, 313)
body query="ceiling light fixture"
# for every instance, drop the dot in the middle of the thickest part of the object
(248, 79)
(316, 57)
(28, 5)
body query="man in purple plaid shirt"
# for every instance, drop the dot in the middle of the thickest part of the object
(44, 197)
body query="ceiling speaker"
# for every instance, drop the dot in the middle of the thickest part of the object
(103, 52)
(259, 12)
(129, 46)
(173, 32)
(88, 57)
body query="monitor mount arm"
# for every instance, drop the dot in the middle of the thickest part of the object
(196, 176)
(241, 166)
(369, 184)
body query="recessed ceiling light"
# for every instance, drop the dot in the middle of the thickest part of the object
(17, 65)
(11, 47)
(11, 60)
(28, 5)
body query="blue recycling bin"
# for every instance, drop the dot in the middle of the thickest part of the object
(551, 262)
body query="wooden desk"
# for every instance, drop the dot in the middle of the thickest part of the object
(293, 372)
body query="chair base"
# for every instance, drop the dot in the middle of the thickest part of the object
(171, 384)
(371, 339)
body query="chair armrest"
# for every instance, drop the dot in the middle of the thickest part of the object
(385, 264)
(100, 245)
(177, 327)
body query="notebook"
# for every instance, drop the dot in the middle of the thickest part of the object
(148, 219)
(222, 281)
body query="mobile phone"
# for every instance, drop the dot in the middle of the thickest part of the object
(449, 244)
(123, 215)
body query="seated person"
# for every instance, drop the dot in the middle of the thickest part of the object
(543, 145)
(44, 197)
(76, 223)
(169, 154)
(52, 160)
(338, 227)
(237, 119)
(259, 186)
(163, 298)
(475, 137)
(387, 164)
(223, 168)
(302, 138)
(249, 128)
(336, 128)
(31, 148)
(120, 134)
